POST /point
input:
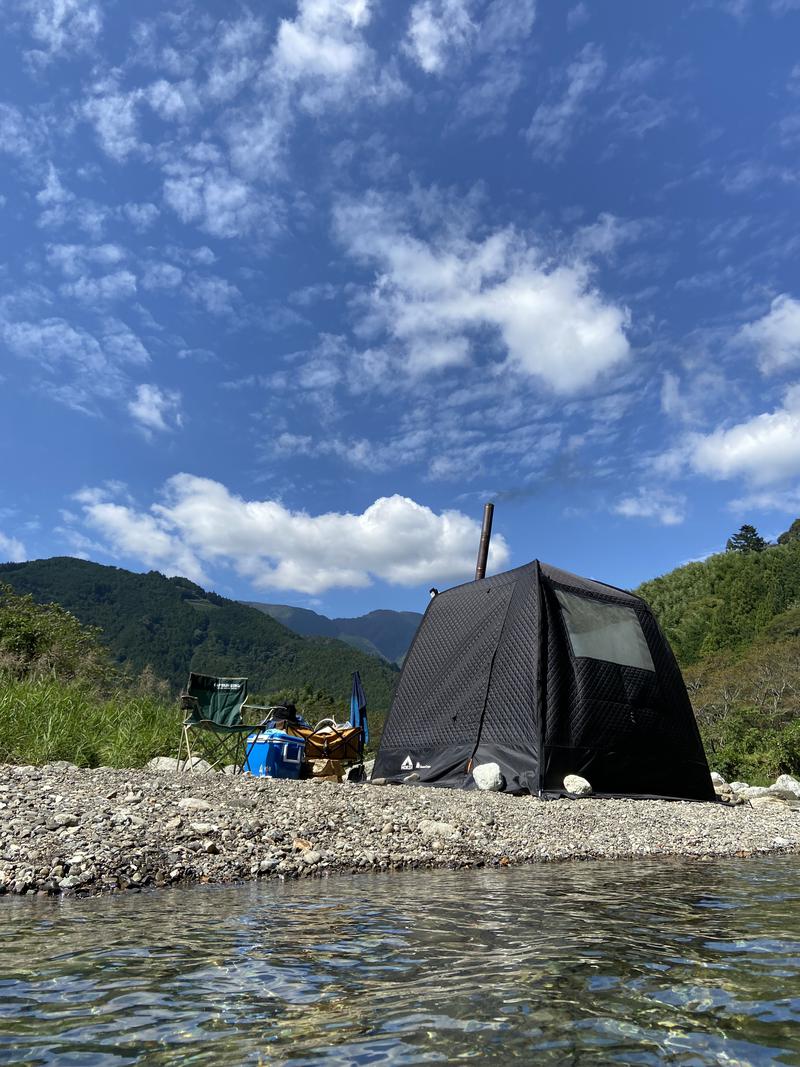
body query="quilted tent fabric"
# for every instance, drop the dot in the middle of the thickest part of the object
(493, 676)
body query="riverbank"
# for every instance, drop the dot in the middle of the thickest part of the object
(71, 831)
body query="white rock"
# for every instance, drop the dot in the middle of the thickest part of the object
(783, 794)
(444, 831)
(487, 776)
(579, 787)
(194, 804)
(169, 765)
(162, 765)
(717, 779)
(786, 781)
(769, 800)
(737, 787)
(755, 791)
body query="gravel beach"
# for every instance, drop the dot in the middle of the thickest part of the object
(70, 831)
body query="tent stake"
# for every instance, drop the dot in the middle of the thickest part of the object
(486, 536)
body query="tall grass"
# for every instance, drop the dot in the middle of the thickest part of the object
(42, 720)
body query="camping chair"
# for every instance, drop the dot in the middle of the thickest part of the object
(214, 728)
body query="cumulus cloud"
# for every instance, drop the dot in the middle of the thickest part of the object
(775, 338)
(661, 507)
(155, 409)
(200, 522)
(437, 31)
(764, 449)
(11, 550)
(433, 296)
(554, 122)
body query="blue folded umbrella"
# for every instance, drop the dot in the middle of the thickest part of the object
(358, 706)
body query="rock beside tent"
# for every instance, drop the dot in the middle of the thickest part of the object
(70, 831)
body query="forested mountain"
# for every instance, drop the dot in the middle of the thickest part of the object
(383, 633)
(728, 600)
(174, 626)
(734, 623)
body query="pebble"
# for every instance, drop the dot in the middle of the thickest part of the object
(73, 832)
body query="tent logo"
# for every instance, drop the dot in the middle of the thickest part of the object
(407, 764)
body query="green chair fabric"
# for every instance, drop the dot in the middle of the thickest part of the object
(213, 728)
(216, 701)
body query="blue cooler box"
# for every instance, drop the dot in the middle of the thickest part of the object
(274, 754)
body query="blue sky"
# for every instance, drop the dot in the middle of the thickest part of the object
(288, 291)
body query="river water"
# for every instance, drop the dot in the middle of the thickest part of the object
(689, 962)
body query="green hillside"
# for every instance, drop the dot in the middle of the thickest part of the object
(174, 626)
(734, 623)
(728, 600)
(383, 633)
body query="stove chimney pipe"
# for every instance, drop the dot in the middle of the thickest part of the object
(486, 536)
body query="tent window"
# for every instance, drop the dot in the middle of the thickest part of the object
(610, 632)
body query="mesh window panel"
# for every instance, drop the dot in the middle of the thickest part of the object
(608, 632)
(595, 703)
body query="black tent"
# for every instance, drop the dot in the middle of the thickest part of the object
(545, 674)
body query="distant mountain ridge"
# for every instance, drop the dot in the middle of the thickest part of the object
(383, 632)
(175, 626)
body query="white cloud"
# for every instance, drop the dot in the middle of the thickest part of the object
(204, 191)
(155, 409)
(323, 40)
(501, 44)
(776, 336)
(437, 31)
(322, 56)
(577, 16)
(140, 536)
(114, 117)
(72, 259)
(787, 500)
(553, 124)
(215, 294)
(433, 296)
(79, 366)
(201, 522)
(19, 134)
(765, 449)
(108, 287)
(142, 216)
(161, 276)
(664, 508)
(11, 550)
(173, 101)
(63, 26)
(59, 207)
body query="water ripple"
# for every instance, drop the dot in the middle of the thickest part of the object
(685, 962)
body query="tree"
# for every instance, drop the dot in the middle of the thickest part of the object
(792, 534)
(747, 539)
(39, 640)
